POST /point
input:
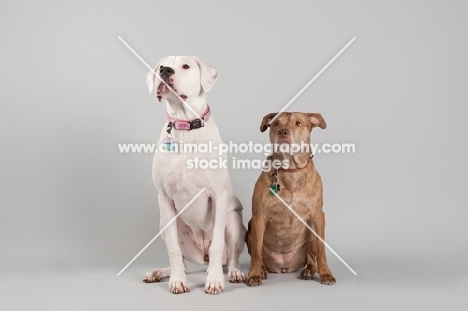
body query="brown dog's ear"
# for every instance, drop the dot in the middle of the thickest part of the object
(266, 120)
(317, 120)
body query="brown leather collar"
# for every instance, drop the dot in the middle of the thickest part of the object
(293, 170)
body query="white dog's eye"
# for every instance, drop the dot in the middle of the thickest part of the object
(185, 66)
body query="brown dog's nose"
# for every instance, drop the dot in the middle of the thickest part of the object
(283, 133)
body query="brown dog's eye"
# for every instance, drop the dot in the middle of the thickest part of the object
(276, 123)
(185, 66)
(298, 123)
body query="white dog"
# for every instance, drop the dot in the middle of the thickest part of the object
(210, 231)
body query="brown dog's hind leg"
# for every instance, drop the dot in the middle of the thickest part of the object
(255, 245)
(311, 268)
(248, 238)
(264, 271)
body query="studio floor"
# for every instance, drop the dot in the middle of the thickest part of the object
(391, 286)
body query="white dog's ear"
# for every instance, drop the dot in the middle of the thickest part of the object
(151, 77)
(208, 74)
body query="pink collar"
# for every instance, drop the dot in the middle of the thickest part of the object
(190, 124)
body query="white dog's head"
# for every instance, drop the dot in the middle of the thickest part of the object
(188, 76)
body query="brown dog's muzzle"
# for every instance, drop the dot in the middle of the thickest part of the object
(284, 135)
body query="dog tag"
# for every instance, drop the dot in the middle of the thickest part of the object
(274, 188)
(170, 145)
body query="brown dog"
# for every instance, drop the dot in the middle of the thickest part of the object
(276, 239)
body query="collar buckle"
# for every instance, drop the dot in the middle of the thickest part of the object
(188, 124)
(197, 123)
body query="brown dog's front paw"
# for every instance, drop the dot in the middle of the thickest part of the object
(255, 280)
(307, 274)
(327, 279)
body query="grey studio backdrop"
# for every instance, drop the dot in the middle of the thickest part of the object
(74, 210)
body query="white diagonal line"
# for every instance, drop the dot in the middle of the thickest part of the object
(162, 230)
(313, 79)
(157, 75)
(312, 230)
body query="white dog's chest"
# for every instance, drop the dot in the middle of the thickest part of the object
(176, 173)
(179, 183)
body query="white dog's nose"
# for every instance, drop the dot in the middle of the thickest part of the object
(166, 71)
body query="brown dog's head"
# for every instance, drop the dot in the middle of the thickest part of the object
(291, 127)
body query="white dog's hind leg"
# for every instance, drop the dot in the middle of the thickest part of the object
(215, 276)
(178, 277)
(235, 236)
(157, 274)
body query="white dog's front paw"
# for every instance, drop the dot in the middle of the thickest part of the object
(214, 281)
(178, 285)
(236, 276)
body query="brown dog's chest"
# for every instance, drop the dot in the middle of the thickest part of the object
(283, 229)
(285, 237)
